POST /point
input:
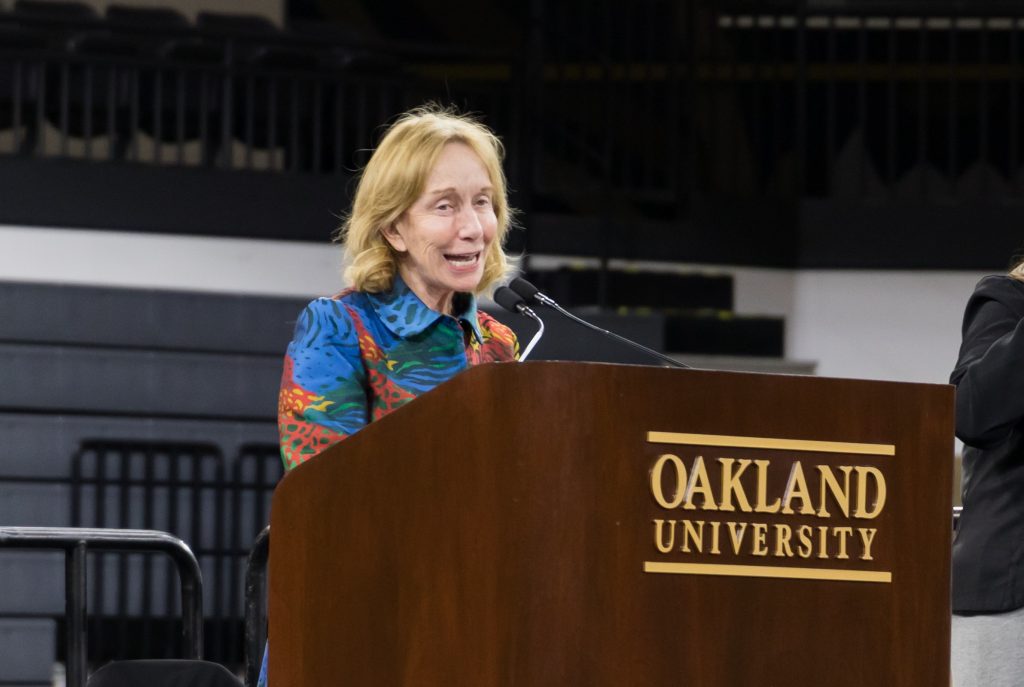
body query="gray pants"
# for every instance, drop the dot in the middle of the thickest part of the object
(988, 650)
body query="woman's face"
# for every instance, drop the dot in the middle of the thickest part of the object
(443, 238)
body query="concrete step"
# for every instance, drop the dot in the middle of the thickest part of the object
(28, 649)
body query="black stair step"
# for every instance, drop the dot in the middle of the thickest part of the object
(636, 289)
(725, 334)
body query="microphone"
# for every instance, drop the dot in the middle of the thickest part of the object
(529, 292)
(513, 302)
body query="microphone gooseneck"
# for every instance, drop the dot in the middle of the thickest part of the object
(529, 292)
(513, 302)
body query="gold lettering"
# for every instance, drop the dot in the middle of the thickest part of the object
(783, 533)
(674, 485)
(659, 536)
(736, 536)
(863, 472)
(699, 482)
(694, 534)
(840, 493)
(760, 539)
(714, 537)
(656, 490)
(762, 489)
(806, 546)
(867, 536)
(822, 542)
(796, 488)
(842, 533)
(731, 485)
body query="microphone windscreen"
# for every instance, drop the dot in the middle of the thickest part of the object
(524, 288)
(508, 299)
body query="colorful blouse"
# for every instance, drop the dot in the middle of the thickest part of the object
(358, 356)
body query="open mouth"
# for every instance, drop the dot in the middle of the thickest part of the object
(463, 259)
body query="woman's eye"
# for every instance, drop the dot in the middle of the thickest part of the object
(483, 201)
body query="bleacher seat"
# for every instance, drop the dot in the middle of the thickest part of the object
(91, 95)
(16, 39)
(104, 44)
(20, 80)
(128, 18)
(27, 648)
(273, 96)
(236, 24)
(63, 12)
(182, 102)
(163, 673)
(324, 32)
(363, 62)
(192, 51)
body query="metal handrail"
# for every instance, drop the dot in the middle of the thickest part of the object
(255, 600)
(75, 542)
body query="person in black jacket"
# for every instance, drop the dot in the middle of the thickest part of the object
(988, 551)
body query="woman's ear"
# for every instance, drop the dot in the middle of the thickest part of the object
(393, 236)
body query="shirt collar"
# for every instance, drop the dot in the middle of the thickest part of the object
(466, 302)
(406, 315)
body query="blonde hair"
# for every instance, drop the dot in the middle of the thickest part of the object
(396, 176)
(1018, 271)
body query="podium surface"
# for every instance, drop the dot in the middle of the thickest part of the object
(590, 524)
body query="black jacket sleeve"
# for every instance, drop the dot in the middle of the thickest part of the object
(989, 374)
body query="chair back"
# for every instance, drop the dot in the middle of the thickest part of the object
(163, 673)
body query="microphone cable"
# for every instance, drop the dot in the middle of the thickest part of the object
(528, 292)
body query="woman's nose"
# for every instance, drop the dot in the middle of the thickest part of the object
(469, 222)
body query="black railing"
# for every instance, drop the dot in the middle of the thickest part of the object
(178, 488)
(256, 605)
(906, 100)
(76, 543)
(181, 488)
(618, 107)
(256, 471)
(217, 97)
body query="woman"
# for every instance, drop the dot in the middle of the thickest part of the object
(988, 552)
(424, 238)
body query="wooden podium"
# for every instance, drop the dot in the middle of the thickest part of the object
(588, 524)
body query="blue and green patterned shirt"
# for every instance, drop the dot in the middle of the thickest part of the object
(358, 356)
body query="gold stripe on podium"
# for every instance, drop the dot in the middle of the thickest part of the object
(729, 441)
(768, 571)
